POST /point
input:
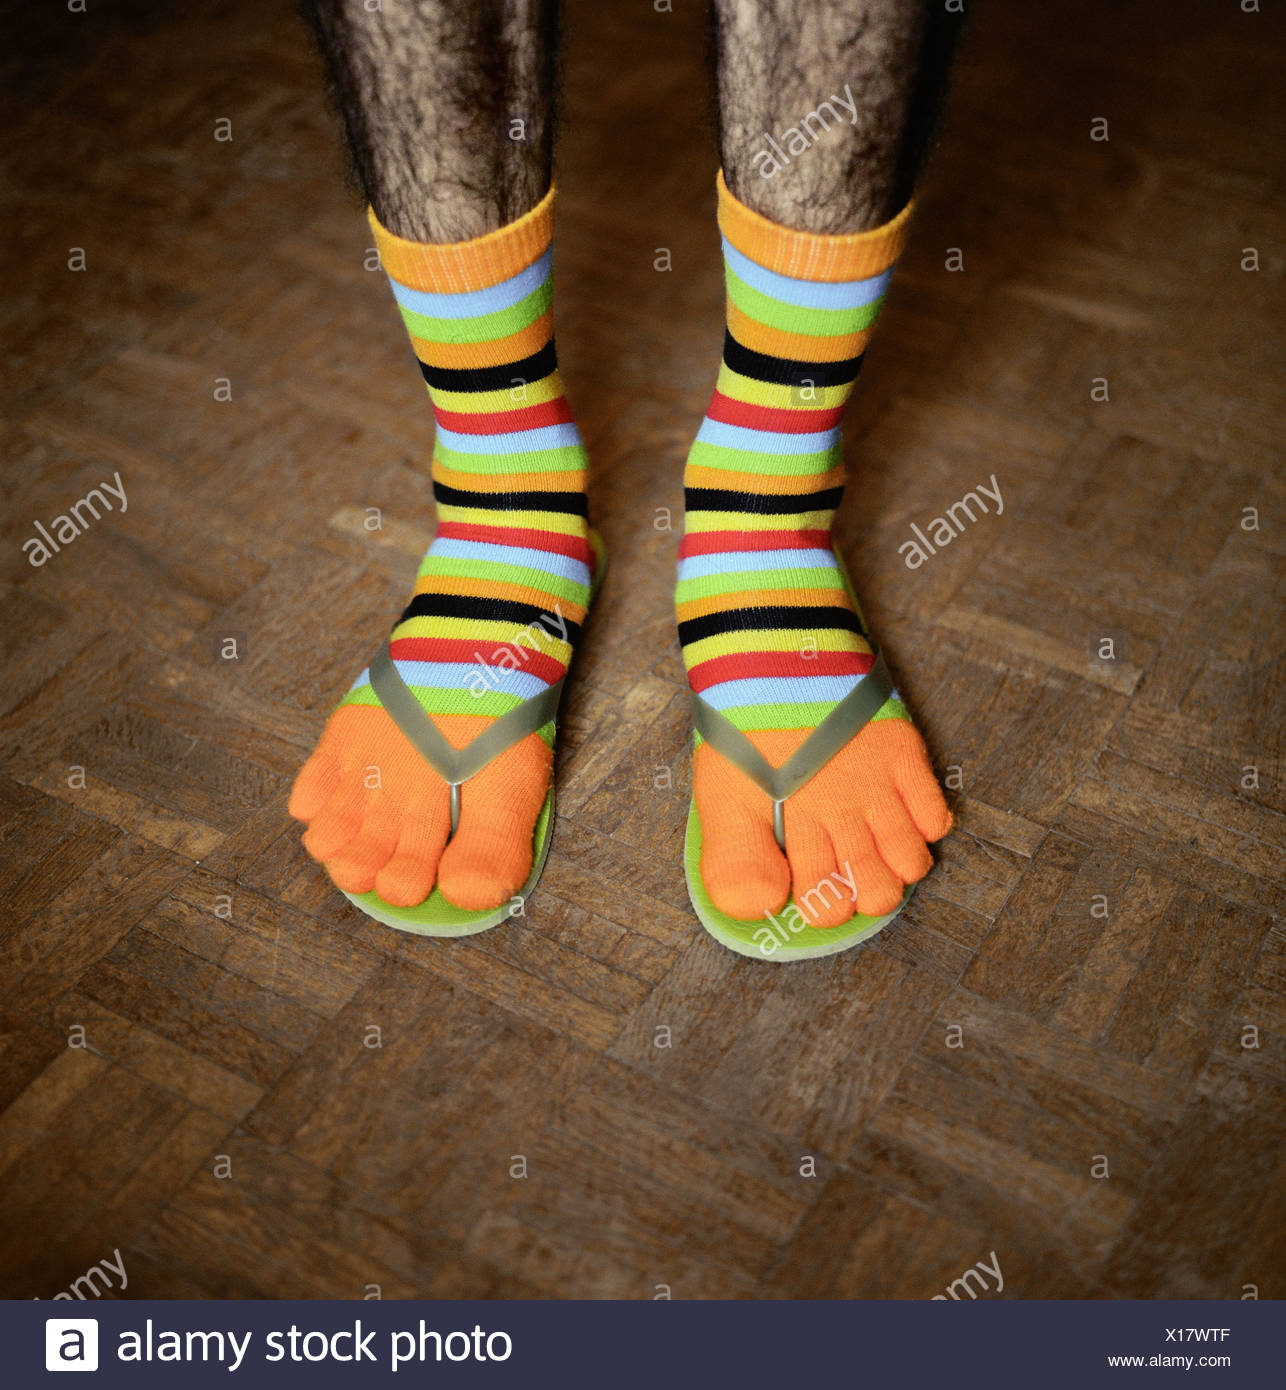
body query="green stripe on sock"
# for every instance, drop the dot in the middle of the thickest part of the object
(565, 460)
(752, 581)
(555, 585)
(790, 318)
(806, 714)
(705, 455)
(485, 328)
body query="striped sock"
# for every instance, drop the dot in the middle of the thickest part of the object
(770, 634)
(503, 589)
(501, 593)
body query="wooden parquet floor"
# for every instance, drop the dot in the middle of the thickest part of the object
(1071, 1051)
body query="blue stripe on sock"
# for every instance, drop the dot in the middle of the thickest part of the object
(765, 441)
(517, 442)
(730, 561)
(464, 675)
(469, 304)
(807, 294)
(779, 690)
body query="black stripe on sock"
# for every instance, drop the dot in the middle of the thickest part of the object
(720, 499)
(757, 619)
(529, 369)
(497, 610)
(569, 503)
(785, 371)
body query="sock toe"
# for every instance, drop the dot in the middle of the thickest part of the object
(879, 889)
(406, 880)
(355, 868)
(898, 841)
(352, 875)
(338, 823)
(489, 858)
(744, 872)
(477, 882)
(408, 877)
(317, 782)
(819, 890)
(912, 773)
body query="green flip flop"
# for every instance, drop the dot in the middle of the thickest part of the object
(436, 916)
(786, 935)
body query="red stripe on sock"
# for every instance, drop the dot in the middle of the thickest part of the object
(467, 653)
(763, 417)
(718, 542)
(527, 417)
(749, 665)
(578, 547)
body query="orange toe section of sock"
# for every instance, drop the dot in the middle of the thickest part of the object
(379, 817)
(821, 892)
(490, 856)
(407, 878)
(856, 834)
(743, 870)
(354, 868)
(317, 782)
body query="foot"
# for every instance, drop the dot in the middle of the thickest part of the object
(856, 834)
(501, 594)
(771, 635)
(379, 817)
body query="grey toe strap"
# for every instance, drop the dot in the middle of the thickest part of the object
(457, 765)
(837, 730)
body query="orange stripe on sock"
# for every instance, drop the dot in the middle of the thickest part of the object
(763, 484)
(810, 255)
(495, 588)
(802, 347)
(453, 267)
(496, 353)
(571, 481)
(763, 598)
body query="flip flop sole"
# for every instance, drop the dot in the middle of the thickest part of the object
(435, 916)
(776, 940)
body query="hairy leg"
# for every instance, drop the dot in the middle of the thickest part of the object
(447, 108)
(779, 60)
(827, 108)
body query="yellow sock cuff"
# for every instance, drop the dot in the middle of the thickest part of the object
(452, 267)
(810, 255)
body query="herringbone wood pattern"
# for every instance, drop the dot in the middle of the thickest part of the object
(159, 907)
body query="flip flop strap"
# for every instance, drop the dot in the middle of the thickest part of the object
(836, 731)
(457, 765)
